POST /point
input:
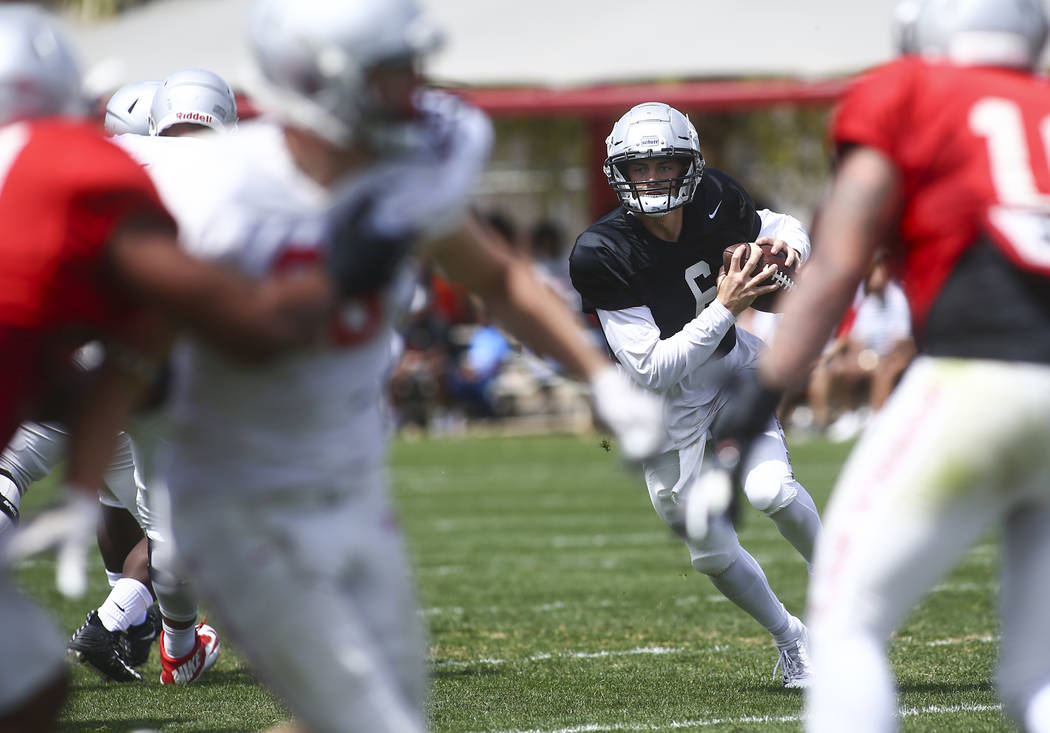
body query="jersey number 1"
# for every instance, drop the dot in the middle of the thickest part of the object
(1023, 217)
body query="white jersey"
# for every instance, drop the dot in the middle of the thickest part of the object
(314, 417)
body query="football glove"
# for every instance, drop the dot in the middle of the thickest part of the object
(636, 417)
(745, 415)
(362, 256)
(69, 529)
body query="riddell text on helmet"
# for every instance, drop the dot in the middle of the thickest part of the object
(193, 117)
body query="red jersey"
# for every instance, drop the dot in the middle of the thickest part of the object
(64, 189)
(971, 146)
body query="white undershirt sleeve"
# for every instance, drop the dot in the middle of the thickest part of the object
(786, 227)
(655, 363)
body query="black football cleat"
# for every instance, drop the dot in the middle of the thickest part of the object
(141, 637)
(103, 650)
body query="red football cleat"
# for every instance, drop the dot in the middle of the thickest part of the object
(187, 669)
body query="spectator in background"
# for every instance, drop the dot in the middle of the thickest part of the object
(867, 357)
(471, 380)
(551, 260)
(417, 380)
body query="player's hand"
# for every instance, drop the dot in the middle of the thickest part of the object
(364, 254)
(710, 496)
(69, 528)
(737, 290)
(779, 245)
(635, 416)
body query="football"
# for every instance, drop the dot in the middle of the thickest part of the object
(784, 275)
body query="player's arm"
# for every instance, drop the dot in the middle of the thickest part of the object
(656, 363)
(784, 231)
(248, 319)
(475, 258)
(540, 319)
(858, 217)
(114, 391)
(659, 363)
(100, 409)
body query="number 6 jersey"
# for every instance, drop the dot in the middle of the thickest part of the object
(971, 146)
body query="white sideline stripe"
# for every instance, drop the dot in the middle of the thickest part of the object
(655, 650)
(751, 719)
(660, 650)
(951, 642)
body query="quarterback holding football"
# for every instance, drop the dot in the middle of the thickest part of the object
(651, 272)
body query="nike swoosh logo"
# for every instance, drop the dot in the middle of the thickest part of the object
(712, 214)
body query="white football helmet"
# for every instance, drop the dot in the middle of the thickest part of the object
(1008, 33)
(193, 97)
(653, 130)
(39, 76)
(314, 57)
(127, 111)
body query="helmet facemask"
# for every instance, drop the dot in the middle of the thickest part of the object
(389, 119)
(655, 196)
(327, 68)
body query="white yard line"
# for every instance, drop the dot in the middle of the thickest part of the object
(654, 650)
(661, 650)
(745, 720)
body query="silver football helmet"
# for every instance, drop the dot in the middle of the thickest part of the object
(314, 57)
(193, 97)
(127, 111)
(1008, 33)
(39, 76)
(653, 130)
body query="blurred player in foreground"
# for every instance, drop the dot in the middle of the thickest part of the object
(279, 499)
(117, 636)
(650, 270)
(114, 639)
(946, 149)
(89, 251)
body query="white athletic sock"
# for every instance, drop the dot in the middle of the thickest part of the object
(178, 642)
(745, 584)
(852, 687)
(799, 523)
(11, 499)
(790, 634)
(113, 577)
(126, 605)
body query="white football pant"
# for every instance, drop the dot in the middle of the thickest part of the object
(314, 588)
(962, 445)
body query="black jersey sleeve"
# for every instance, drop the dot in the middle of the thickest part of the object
(601, 273)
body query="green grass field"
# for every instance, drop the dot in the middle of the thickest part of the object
(557, 601)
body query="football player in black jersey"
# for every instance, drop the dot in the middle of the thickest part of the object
(650, 271)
